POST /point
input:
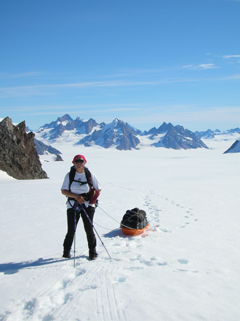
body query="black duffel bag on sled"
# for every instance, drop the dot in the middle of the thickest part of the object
(134, 221)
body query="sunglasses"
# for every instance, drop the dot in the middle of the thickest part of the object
(79, 161)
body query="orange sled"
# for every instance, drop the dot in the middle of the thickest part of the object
(134, 231)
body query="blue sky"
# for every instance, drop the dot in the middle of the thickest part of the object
(142, 61)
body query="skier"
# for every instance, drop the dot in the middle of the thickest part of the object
(78, 190)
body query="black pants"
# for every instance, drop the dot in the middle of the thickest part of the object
(87, 226)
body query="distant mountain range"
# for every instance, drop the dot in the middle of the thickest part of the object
(213, 133)
(117, 134)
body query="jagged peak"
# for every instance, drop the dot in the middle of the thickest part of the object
(162, 128)
(116, 121)
(65, 118)
(121, 134)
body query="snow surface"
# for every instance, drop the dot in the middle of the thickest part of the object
(185, 267)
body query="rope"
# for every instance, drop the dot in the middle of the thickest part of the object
(108, 229)
(108, 214)
(131, 228)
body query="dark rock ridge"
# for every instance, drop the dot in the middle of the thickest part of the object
(235, 148)
(18, 155)
(43, 148)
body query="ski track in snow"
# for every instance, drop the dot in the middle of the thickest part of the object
(54, 301)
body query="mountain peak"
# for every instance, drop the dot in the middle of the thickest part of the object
(118, 134)
(116, 121)
(235, 148)
(64, 118)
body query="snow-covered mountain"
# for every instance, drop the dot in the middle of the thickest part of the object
(56, 128)
(175, 137)
(208, 134)
(117, 134)
(235, 148)
(43, 148)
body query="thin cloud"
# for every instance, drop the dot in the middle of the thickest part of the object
(22, 75)
(232, 58)
(74, 109)
(24, 91)
(53, 89)
(200, 67)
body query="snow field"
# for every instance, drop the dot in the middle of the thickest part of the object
(185, 267)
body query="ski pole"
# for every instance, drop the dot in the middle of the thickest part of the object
(75, 210)
(94, 229)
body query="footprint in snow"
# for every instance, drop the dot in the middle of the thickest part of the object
(183, 261)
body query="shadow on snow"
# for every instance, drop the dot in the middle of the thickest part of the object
(14, 267)
(118, 232)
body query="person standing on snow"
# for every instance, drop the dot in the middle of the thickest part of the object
(80, 191)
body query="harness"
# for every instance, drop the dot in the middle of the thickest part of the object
(87, 196)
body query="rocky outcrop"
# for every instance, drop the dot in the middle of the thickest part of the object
(18, 155)
(58, 158)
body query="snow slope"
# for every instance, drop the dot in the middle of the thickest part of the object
(234, 148)
(185, 267)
